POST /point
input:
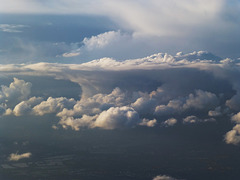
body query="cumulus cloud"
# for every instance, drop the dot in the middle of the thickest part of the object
(191, 119)
(163, 177)
(236, 118)
(194, 119)
(17, 157)
(107, 44)
(199, 101)
(118, 117)
(170, 122)
(216, 112)
(25, 107)
(234, 102)
(96, 104)
(77, 123)
(148, 123)
(153, 88)
(233, 136)
(102, 40)
(17, 91)
(53, 105)
(144, 105)
(113, 118)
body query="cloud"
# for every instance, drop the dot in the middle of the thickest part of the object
(77, 123)
(170, 122)
(148, 123)
(25, 107)
(163, 177)
(113, 118)
(12, 28)
(236, 118)
(95, 104)
(53, 105)
(233, 136)
(201, 100)
(107, 44)
(195, 25)
(137, 15)
(17, 157)
(194, 119)
(130, 93)
(216, 112)
(144, 105)
(17, 91)
(234, 102)
(102, 40)
(71, 54)
(118, 117)
(191, 119)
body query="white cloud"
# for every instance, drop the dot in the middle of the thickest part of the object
(144, 105)
(113, 118)
(102, 40)
(25, 107)
(137, 15)
(195, 20)
(71, 54)
(233, 136)
(194, 119)
(12, 28)
(96, 104)
(216, 112)
(148, 123)
(170, 122)
(77, 123)
(170, 88)
(17, 157)
(234, 102)
(17, 91)
(201, 100)
(163, 177)
(118, 117)
(53, 105)
(191, 119)
(236, 118)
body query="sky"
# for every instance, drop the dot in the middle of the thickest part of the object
(79, 31)
(151, 84)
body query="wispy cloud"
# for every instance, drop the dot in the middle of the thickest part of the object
(17, 157)
(12, 28)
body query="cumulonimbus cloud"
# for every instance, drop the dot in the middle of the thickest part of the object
(159, 90)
